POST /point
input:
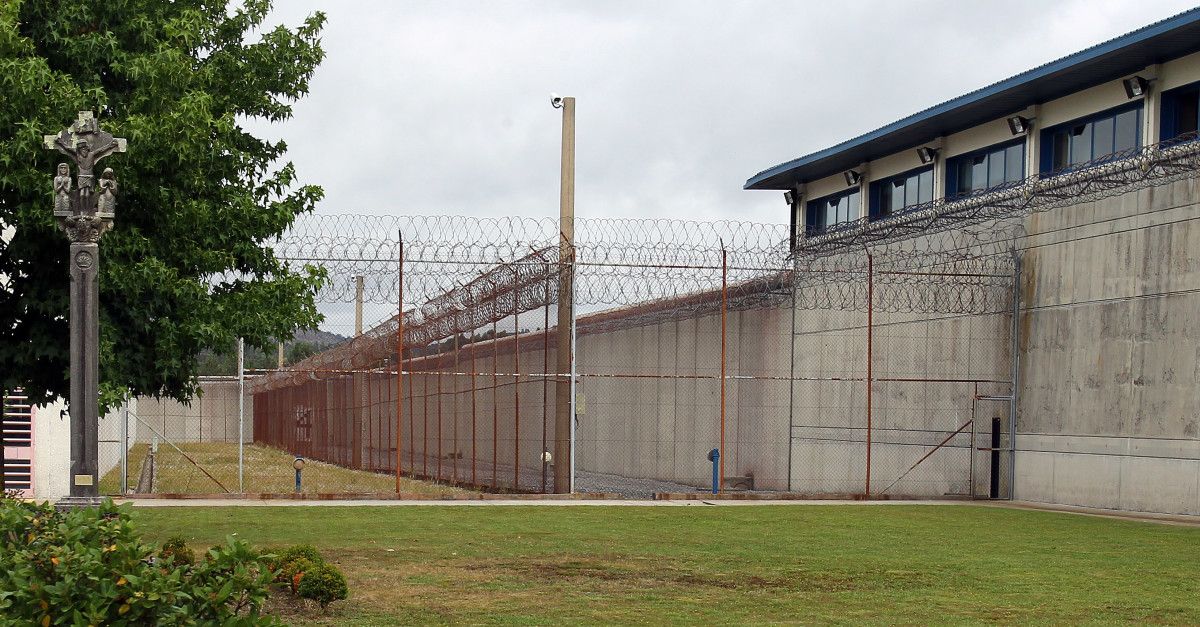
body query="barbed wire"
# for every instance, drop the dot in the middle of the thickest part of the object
(617, 261)
(462, 274)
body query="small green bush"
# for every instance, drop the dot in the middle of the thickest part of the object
(307, 551)
(298, 566)
(295, 559)
(88, 566)
(323, 583)
(176, 551)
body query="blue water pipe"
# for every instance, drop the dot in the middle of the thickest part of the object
(298, 464)
(714, 456)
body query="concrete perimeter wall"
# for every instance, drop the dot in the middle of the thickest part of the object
(651, 398)
(1110, 354)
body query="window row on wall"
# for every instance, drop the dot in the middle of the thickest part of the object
(1107, 135)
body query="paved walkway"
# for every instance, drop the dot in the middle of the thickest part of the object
(517, 502)
(1169, 519)
(501, 501)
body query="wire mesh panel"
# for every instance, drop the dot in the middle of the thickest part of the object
(150, 445)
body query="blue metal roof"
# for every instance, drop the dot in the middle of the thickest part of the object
(1169, 39)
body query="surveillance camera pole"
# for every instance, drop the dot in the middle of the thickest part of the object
(564, 387)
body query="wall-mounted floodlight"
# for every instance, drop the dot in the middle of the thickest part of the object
(1019, 125)
(1136, 86)
(852, 177)
(927, 154)
(790, 197)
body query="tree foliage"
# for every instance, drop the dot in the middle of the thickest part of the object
(186, 266)
(89, 567)
(212, 363)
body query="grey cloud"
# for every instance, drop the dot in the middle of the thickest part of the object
(441, 107)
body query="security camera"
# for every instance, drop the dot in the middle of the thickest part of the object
(556, 101)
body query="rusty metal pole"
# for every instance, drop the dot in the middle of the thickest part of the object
(439, 416)
(495, 399)
(724, 315)
(474, 438)
(399, 356)
(516, 386)
(425, 419)
(454, 413)
(545, 378)
(870, 361)
(563, 402)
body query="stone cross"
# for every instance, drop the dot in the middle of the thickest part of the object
(85, 212)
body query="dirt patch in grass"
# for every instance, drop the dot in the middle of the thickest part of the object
(658, 574)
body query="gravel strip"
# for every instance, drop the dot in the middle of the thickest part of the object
(628, 487)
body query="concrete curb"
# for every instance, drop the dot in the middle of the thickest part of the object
(796, 496)
(372, 496)
(1186, 520)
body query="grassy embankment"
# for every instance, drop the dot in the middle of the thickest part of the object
(267, 470)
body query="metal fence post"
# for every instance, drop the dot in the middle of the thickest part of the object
(870, 362)
(241, 366)
(400, 357)
(124, 451)
(1016, 375)
(724, 313)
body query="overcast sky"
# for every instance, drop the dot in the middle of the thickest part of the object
(442, 107)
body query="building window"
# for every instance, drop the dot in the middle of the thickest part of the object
(902, 192)
(831, 212)
(986, 169)
(1181, 113)
(1108, 135)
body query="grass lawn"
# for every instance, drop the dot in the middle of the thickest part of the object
(266, 470)
(850, 564)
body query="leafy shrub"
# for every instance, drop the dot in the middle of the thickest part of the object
(294, 570)
(307, 551)
(88, 566)
(322, 583)
(175, 550)
(302, 569)
(293, 560)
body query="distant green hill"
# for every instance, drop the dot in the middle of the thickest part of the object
(307, 342)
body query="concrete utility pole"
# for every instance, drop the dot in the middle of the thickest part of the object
(85, 211)
(564, 421)
(358, 305)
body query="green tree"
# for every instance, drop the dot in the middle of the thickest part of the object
(186, 266)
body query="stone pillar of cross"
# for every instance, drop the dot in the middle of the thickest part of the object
(85, 209)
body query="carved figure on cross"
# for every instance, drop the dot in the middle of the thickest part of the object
(86, 144)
